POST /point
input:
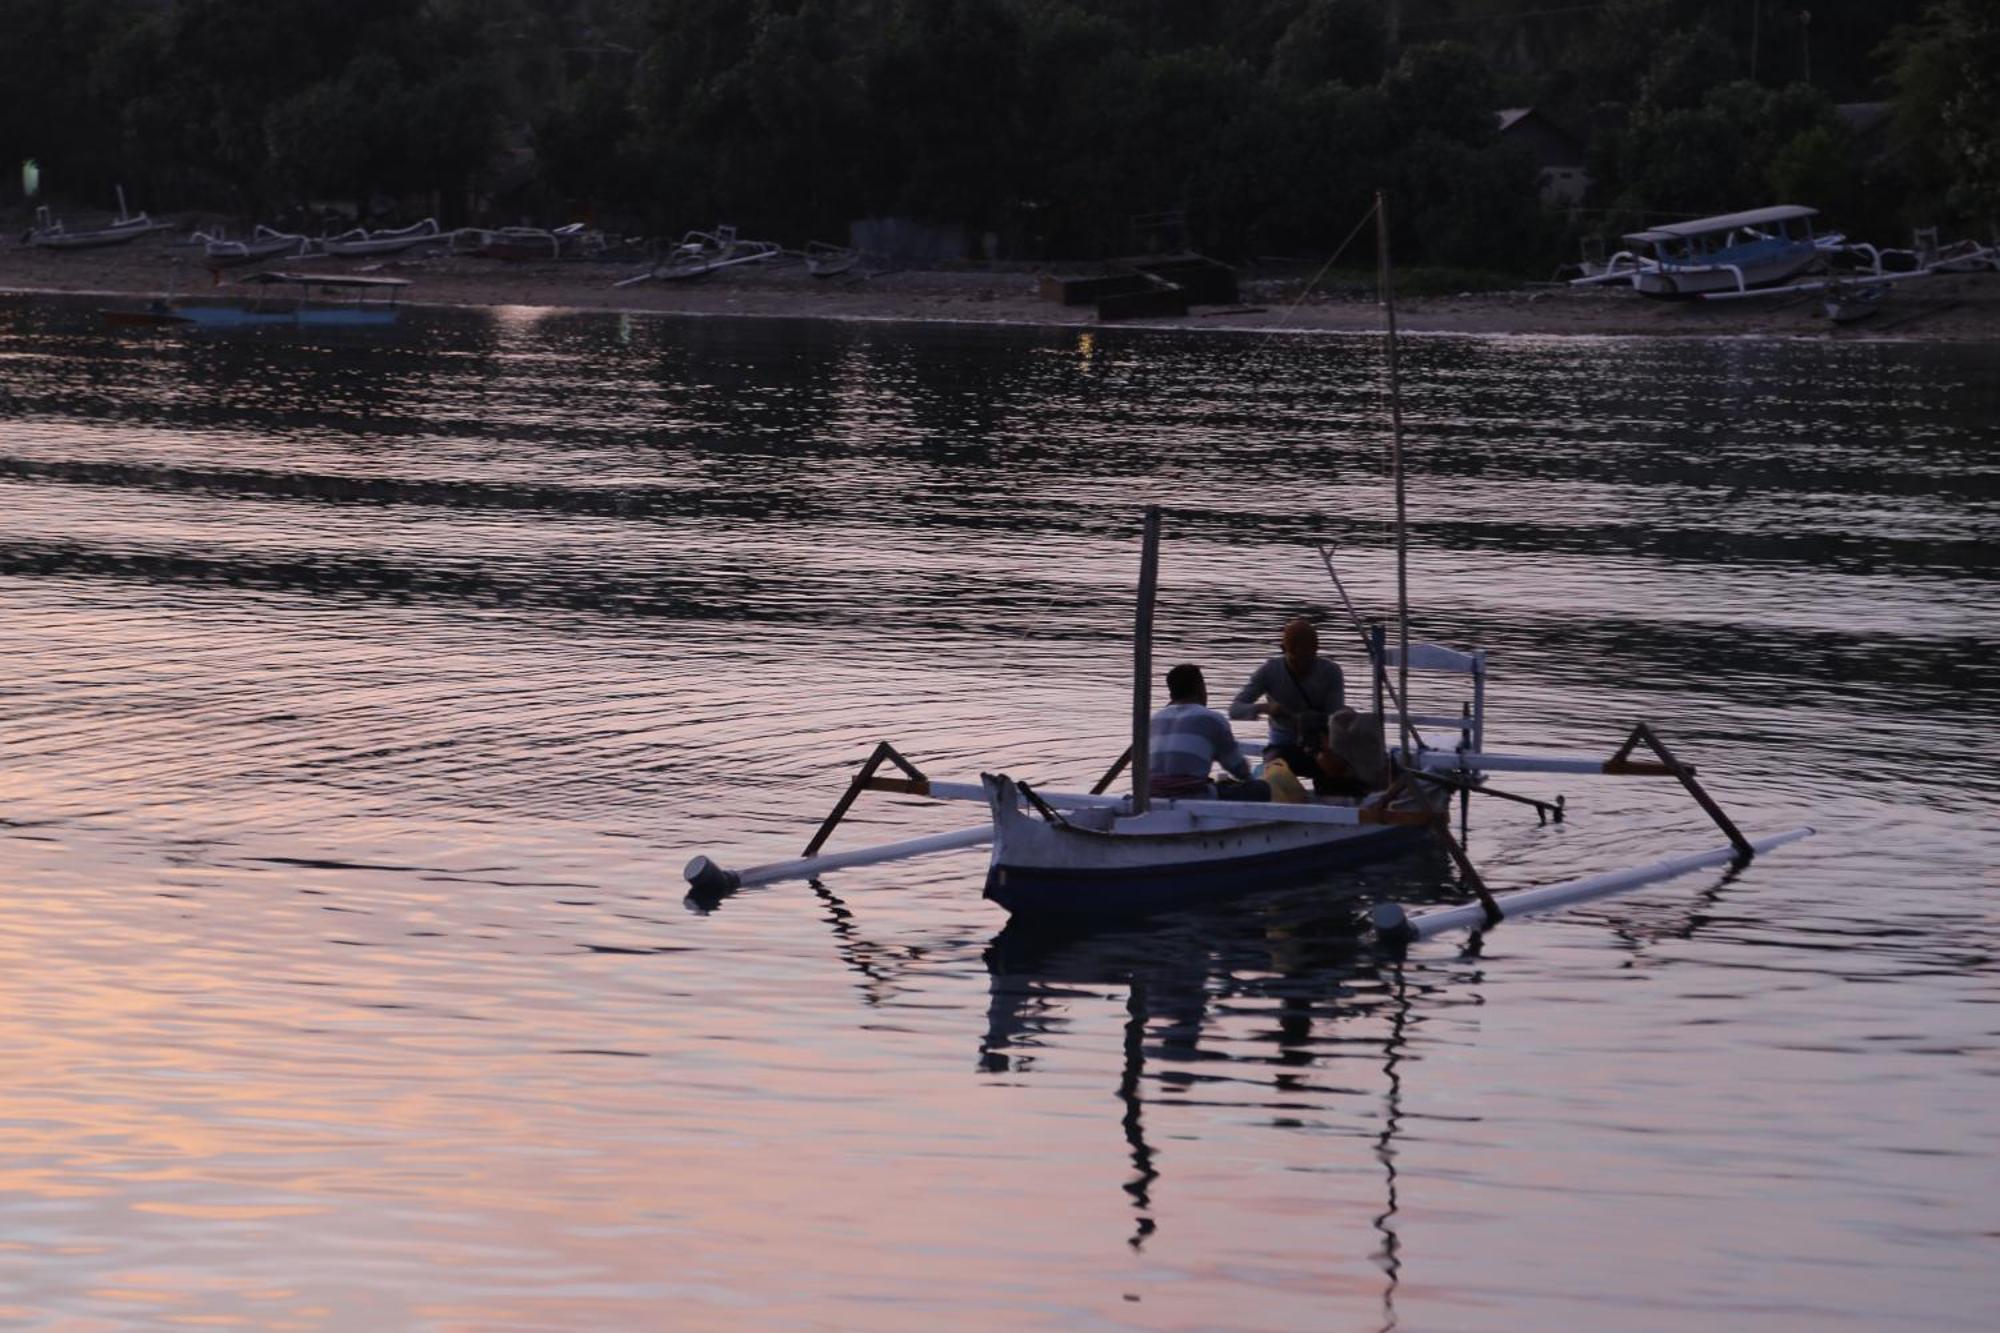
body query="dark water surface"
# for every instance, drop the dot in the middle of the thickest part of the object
(363, 699)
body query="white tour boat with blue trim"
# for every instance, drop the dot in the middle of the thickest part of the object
(1731, 252)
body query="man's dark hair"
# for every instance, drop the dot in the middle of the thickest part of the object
(1184, 682)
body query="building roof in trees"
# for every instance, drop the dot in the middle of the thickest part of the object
(1552, 145)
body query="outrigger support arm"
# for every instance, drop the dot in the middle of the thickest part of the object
(704, 876)
(1440, 823)
(1467, 871)
(866, 780)
(1398, 926)
(1643, 734)
(1111, 773)
(1544, 810)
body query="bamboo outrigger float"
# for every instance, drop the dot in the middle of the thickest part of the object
(1093, 855)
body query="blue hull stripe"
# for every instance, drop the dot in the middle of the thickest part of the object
(1140, 892)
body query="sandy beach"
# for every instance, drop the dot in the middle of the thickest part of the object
(1953, 307)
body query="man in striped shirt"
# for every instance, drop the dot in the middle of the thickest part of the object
(1188, 736)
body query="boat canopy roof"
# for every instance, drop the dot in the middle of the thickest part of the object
(1756, 217)
(327, 280)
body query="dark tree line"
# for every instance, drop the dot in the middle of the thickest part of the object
(1046, 124)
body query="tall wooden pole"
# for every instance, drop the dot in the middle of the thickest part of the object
(1142, 663)
(1386, 282)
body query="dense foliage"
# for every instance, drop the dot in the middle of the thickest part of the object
(1040, 127)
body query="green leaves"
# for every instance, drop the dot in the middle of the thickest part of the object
(1049, 122)
(1946, 71)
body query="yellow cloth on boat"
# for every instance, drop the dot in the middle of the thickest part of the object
(1285, 785)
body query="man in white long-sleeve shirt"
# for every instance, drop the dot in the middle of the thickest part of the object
(1188, 737)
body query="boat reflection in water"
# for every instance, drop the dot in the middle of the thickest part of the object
(1189, 981)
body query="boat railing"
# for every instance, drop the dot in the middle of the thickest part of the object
(1874, 255)
(1622, 266)
(1437, 659)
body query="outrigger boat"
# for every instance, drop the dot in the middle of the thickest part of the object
(361, 241)
(219, 251)
(519, 243)
(1093, 855)
(1846, 303)
(703, 252)
(825, 260)
(1855, 295)
(1731, 252)
(52, 233)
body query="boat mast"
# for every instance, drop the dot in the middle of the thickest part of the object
(1387, 286)
(1142, 663)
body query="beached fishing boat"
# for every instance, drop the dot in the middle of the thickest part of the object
(220, 251)
(824, 260)
(1855, 295)
(1094, 855)
(295, 300)
(519, 243)
(1845, 303)
(700, 253)
(1731, 252)
(1967, 256)
(361, 241)
(52, 233)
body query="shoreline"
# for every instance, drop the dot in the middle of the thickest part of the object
(1941, 308)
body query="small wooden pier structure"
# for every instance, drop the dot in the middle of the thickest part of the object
(1147, 287)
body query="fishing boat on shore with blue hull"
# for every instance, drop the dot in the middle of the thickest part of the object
(1731, 252)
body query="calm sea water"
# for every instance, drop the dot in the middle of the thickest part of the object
(362, 700)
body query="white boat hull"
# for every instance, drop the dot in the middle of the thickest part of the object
(58, 237)
(1099, 863)
(1673, 280)
(363, 242)
(265, 244)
